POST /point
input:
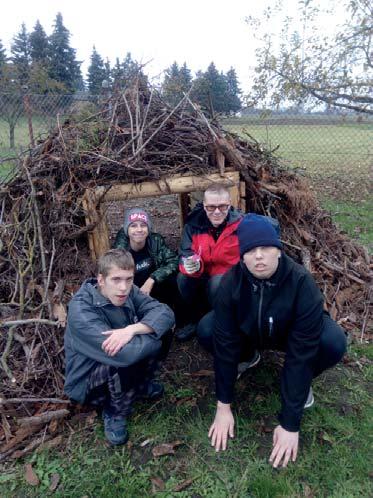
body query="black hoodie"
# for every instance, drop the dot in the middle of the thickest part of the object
(284, 312)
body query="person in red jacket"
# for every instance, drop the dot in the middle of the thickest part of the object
(208, 249)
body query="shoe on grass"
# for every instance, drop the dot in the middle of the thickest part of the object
(186, 332)
(153, 390)
(244, 366)
(115, 428)
(310, 399)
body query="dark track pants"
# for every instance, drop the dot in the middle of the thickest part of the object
(198, 294)
(332, 346)
(115, 389)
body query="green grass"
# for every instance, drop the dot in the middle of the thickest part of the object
(332, 153)
(334, 459)
(22, 140)
(356, 219)
(337, 160)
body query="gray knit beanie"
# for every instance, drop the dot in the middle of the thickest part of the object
(136, 214)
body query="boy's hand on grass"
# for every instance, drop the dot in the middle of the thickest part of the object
(285, 447)
(116, 340)
(222, 427)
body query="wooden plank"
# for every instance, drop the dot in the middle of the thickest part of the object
(235, 196)
(242, 204)
(101, 235)
(98, 238)
(88, 220)
(184, 202)
(172, 185)
(220, 160)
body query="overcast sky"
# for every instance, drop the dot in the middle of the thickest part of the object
(161, 31)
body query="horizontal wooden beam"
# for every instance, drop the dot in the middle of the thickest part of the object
(176, 184)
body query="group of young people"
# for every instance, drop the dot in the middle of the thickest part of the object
(232, 285)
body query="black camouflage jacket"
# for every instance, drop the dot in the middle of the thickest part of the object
(165, 259)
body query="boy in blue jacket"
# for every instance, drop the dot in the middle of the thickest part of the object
(267, 301)
(114, 338)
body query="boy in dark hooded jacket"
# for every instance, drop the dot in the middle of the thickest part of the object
(267, 301)
(114, 339)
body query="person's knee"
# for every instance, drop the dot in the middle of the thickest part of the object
(213, 286)
(333, 340)
(140, 347)
(205, 331)
(185, 285)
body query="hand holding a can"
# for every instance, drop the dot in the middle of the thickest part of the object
(192, 264)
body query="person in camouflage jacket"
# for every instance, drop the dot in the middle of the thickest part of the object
(156, 265)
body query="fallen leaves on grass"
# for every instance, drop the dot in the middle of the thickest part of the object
(30, 476)
(55, 480)
(165, 449)
(324, 437)
(183, 485)
(203, 373)
(307, 492)
(157, 484)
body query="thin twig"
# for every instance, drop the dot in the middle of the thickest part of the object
(28, 321)
(11, 401)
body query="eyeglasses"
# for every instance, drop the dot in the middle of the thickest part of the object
(211, 208)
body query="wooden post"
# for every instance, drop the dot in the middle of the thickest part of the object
(98, 238)
(176, 184)
(220, 160)
(242, 204)
(184, 202)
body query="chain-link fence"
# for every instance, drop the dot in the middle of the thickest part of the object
(25, 118)
(336, 151)
(333, 151)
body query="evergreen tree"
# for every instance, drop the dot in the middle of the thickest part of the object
(64, 66)
(107, 70)
(170, 86)
(3, 57)
(39, 45)
(217, 92)
(96, 72)
(177, 81)
(116, 73)
(185, 77)
(209, 90)
(20, 51)
(234, 92)
(130, 69)
(124, 73)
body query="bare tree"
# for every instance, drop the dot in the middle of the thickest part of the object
(306, 66)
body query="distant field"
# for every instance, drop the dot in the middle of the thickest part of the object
(21, 138)
(340, 153)
(337, 158)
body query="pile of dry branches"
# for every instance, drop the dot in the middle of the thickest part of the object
(135, 136)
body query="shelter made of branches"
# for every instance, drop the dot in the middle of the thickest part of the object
(51, 207)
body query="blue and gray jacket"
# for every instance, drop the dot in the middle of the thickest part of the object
(90, 314)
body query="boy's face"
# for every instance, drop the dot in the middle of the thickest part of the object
(117, 285)
(138, 231)
(262, 262)
(216, 207)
